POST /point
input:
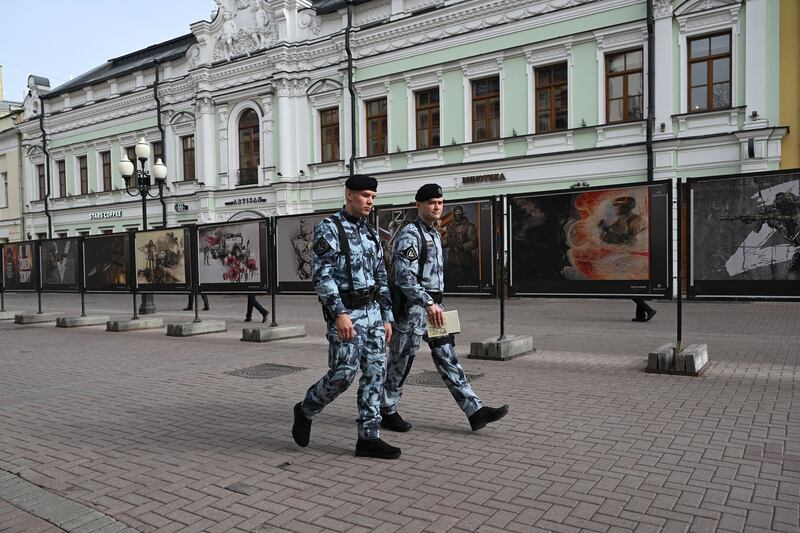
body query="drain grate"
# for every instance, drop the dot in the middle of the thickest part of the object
(433, 379)
(265, 371)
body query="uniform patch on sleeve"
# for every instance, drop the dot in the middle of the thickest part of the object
(321, 246)
(410, 253)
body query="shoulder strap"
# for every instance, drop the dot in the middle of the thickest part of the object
(344, 247)
(423, 252)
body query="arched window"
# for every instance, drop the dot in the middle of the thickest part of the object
(248, 148)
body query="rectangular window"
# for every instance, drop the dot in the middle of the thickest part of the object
(486, 109)
(3, 189)
(187, 145)
(329, 133)
(105, 158)
(710, 72)
(62, 235)
(551, 98)
(83, 172)
(158, 152)
(107, 231)
(624, 86)
(376, 127)
(62, 178)
(427, 118)
(40, 177)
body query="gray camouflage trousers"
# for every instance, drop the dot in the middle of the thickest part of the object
(367, 352)
(405, 342)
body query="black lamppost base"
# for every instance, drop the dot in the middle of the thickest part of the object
(148, 305)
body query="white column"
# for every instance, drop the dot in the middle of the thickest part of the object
(207, 144)
(344, 128)
(755, 68)
(300, 102)
(267, 140)
(663, 69)
(222, 143)
(170, 159)
(287, 125)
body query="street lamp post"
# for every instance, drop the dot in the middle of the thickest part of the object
(142, 188)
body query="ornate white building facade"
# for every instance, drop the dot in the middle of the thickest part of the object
(252, 110)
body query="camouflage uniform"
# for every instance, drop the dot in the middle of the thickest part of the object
(367, 350)
(410, 328)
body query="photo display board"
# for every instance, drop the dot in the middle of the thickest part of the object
(232, 257)
(294, 237)
(161, 258)
(466, 231)
(20, 268)
(744, 236)
(106, 263)
(60, 260)
(592, 242)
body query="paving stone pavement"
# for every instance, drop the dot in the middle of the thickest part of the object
(149, 431)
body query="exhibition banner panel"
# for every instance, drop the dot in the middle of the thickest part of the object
(466, 229)
(592, 242)
(61, 262)
(232, 257)
(744, 236)
(106, 263)
(162, 260)
(20, 268)
(294, 237)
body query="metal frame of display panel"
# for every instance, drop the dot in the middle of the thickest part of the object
(293, 286)
(743, 289)
(163, 287)
(605, 288)
(223, 287)
(34, 271)
(76, 287)
(486, 285)
(127, 263)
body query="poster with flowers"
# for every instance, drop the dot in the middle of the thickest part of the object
(232, 257)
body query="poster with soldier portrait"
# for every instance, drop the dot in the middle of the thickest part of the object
(232, 257)
(20, 266)
(466, 231)
(60, 260)
(106, 260)
(744, 235)
(161, 260)
(599, 242)
(294, 236)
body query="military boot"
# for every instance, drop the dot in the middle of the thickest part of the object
(394, 422)
(376, 448)
(486, 415)
(301, 429)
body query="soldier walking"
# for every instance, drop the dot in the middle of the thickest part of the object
(349, 276)
(419, 282)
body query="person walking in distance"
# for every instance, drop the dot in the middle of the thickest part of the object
(253, 303)
(418, 286)
(349, 276)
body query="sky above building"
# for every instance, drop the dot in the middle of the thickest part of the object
(60, 39)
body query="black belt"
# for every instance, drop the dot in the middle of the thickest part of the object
(435, 296)
(359, 298)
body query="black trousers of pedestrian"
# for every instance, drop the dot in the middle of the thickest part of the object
(251, 303)
(642, 309)
(190, 305)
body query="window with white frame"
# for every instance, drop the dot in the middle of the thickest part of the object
(61, 165)
(624, 86)
(187, 152)
(551, 97)
(3, 189)
(42, 181)
(329, 134)
(377, 123)
(709, 68)
(486, 109)
(427, 118)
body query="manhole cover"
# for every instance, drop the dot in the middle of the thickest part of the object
(433, 379)
(265, 371)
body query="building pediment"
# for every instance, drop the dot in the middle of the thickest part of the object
(698, 6)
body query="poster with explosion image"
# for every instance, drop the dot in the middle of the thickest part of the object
(19, 266)
(60, 260)
(160, 258)
(598, 242)
(105, 262)
(293, 239)
(466, 231)
(744, 236)
(232, 257)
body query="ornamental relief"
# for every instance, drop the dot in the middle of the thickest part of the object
(246, 27)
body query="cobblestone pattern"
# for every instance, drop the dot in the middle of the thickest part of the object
(149, 429)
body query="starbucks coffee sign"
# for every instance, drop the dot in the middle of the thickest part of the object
(99, 215)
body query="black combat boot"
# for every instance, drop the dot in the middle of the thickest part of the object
(301, 429)
(486, 415)
(394, 422)
(376, 448)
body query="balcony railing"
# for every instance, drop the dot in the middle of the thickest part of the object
(247, 176)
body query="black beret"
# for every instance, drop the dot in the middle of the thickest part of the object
(428, 191)
(361, 182)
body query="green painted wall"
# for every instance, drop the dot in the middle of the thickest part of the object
(398, 116)
(101, 133)
(453, 107)
(515, 96)
(772, 51)
(584, 85)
